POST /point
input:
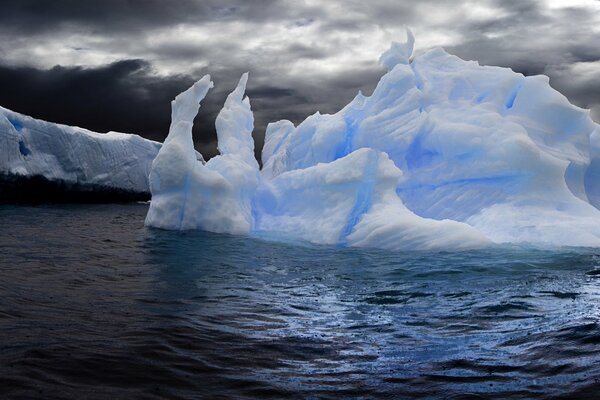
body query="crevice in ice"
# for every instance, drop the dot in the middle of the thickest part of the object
(354, 115)
(418, 78)
(186, 190)
(418, 156)
(591, 179)
(18, 125)
(575, 180)
(346, 146)
(454, 198)
(481, 180)
(513, 96)
(481, 98)
(281, 142)
(23, 148)
(364, 198)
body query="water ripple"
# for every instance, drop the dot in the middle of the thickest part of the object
(110, 309)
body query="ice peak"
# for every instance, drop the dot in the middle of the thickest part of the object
(398, 53)
(238, 93)
(186, 105)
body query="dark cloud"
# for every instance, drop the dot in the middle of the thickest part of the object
(269, 92)
(31, 16)
(123, 96)
(127, 96)
(300, 50)
(35, 16)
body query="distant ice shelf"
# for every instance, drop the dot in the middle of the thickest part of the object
(42, 161)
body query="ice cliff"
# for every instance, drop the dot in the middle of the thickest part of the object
(42, 161)
(444, 154)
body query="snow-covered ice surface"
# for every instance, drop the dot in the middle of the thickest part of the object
(74, 158)
(444, 154)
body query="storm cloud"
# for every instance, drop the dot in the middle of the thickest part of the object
(116, 64)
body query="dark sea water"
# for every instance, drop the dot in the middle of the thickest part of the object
(95, 306)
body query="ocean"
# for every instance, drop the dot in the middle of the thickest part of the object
(93, 305)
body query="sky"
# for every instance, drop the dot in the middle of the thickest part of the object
(117, 64)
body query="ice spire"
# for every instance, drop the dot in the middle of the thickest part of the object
(235, 123)
(216, 196)
(398, 53)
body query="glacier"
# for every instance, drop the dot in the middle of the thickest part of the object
(44, 161)
(445, 154)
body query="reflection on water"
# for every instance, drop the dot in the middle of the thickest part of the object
(94, 304)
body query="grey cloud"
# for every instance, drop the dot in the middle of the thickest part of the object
(299, 50)
(524, 35)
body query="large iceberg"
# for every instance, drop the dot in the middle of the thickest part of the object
(43, 161)
(445, 154)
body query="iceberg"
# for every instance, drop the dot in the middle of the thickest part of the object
(445, 154)
(43, 161)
